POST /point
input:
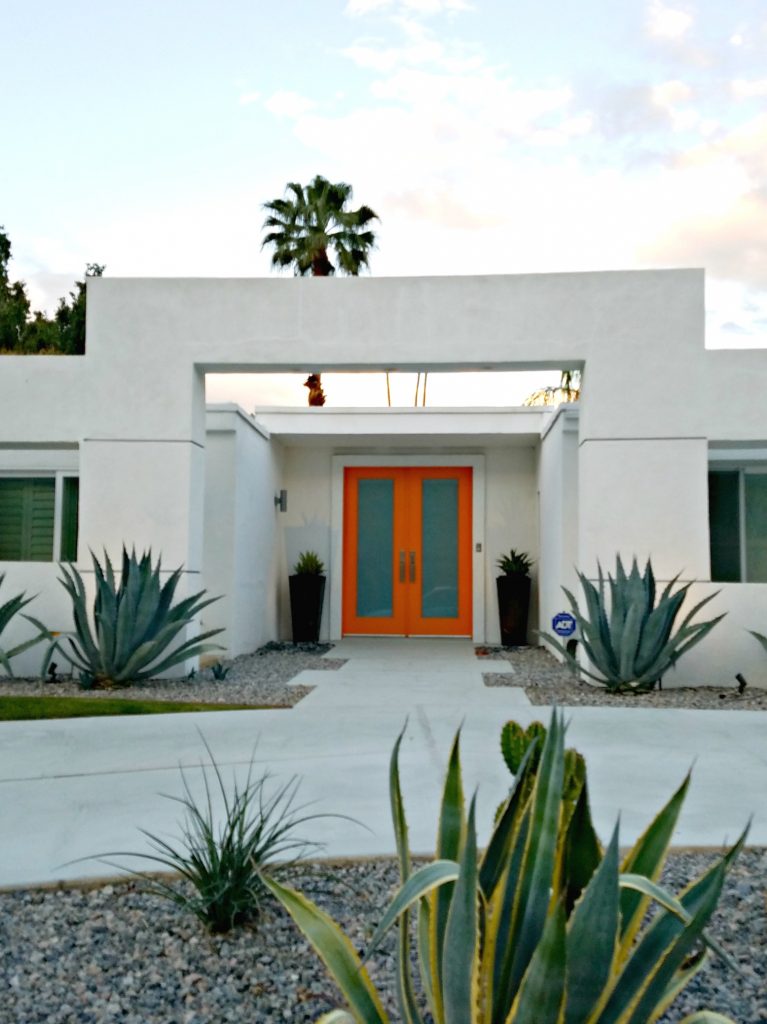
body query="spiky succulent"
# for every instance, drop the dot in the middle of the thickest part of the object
(309, 564)
(544, 927)
(515, 563)
(135, 623)
(628, 637)
(8, 611)
(760, 637)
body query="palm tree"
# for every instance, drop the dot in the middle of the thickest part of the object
(568, 390)
(313, 221)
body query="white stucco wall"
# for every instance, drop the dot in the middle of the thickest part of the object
(558, 497)
(306, 524)
(242, 552)
(729, 648)
(511, 511)
(645, 497)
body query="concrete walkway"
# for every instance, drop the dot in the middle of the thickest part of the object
(80, 787)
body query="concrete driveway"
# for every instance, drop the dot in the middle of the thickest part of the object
(80, 787)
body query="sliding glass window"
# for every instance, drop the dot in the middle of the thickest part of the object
(737, 508)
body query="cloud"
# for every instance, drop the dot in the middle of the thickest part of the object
(743, 89)
(249, 97)
(439, 207)
(736, 315)
(419, 48)
(356, 7)
(670, 97)
(666, 22)
(671, 94)
(719, 218)
(289, 104)
(386, 59)
(361, 7)
(743, 147)
(731, 245)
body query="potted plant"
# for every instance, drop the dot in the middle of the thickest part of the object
(513, 597)
(307, 590)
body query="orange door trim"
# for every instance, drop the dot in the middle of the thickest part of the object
(406, 618)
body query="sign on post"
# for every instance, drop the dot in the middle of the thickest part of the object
(564, 624)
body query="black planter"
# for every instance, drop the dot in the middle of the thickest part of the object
(513, 606)
(306, 595)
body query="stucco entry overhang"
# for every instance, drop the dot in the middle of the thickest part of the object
(654, 395)
(397, 428)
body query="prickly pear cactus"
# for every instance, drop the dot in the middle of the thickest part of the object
(514, 743)
(515, 740)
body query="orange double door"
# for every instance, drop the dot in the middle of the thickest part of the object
(407, 551)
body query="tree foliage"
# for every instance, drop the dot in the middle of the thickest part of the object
(313, 222)
(568, 390)
(70, 315)
(23, 331)
(14, 304)
(309, 224)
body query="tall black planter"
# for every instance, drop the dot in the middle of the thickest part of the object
(306, 595)
(513, 605)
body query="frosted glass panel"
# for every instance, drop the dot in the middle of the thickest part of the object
(375, 540)
(439, 574)
(756, 527)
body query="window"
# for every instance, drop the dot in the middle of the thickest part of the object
(38, 518)
(737, 507)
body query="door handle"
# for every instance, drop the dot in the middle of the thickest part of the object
(412, 566)
(402, 566)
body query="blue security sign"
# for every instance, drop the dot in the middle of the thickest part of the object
(564, 624)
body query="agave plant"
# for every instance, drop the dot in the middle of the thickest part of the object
(135, 623)
(630, 640)
(759, 636)
(544, 927)
(7, 612)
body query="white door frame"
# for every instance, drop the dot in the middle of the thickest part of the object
(476, 462)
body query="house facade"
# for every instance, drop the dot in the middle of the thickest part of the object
(665, 455)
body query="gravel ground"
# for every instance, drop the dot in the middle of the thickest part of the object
(547, 681)
(259, 678)
(113, 953)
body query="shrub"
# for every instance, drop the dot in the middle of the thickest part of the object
(8, 611)
(516, 563)
(544, 927)
(630, 640)
(222, 860)
(309, 564)
(135, 622)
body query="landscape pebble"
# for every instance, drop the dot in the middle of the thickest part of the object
(547, 681)
(115, 953)
(260, 678)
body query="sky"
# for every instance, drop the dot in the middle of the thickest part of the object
(490, 136)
